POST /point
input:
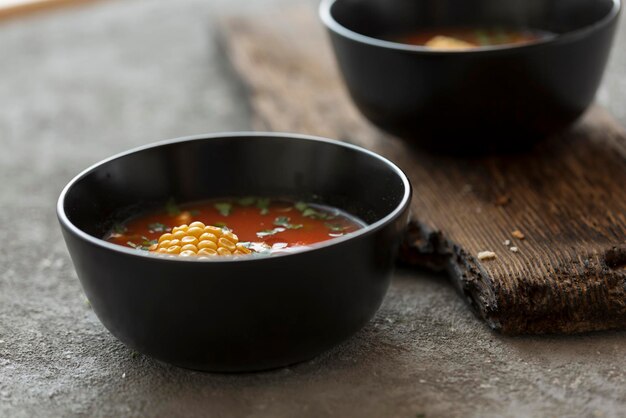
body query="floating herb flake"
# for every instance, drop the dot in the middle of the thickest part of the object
(301, 206)
(172, 208)
(222, 225)
(309, 212)
(269, 232)
(157, 227)
(284, 222)
(246, 201)
(224, 208)
(119, 229)
(138, 247)
(264, 205)
(335, 227)
(148, 242)
(315, 214)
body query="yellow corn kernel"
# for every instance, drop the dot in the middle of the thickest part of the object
(223, 251)
(207, 251)
(179, 228)
(213, 230)
(189, 247)
(207, 244)
(242, 248)
(195, 231)
(165, 237)
(153, 247)
(173, 250)
(230, 236)
(199, 239)
(179, 234)
(226, 243)
(207, 236)
(189, 239)
(187, 253)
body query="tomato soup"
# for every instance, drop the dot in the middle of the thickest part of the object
(467, 38)
(244, 225)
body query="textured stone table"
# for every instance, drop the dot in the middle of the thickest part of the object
(77, 85)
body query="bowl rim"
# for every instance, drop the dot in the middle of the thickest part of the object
(332, 24)
(367, 230)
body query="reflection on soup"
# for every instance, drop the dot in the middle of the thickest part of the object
(468, 38)
(237, 227)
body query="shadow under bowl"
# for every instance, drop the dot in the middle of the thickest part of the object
(489, 97)
(235, 315)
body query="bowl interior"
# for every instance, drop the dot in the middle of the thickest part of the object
(382, 18)
(357, 181)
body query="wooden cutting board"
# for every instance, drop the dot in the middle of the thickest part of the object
(567, 196)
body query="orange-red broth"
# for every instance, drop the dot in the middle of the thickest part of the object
(282, 225)
(477, 37)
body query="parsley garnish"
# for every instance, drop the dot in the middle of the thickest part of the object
(171, 208)
(246, 201)
(157, 227)
(224, 208)
(148, 242)
(144, 247)
(309, 212)
(264, 205)
(119, 228)
(269, 232)
(284, 222)
(335, 228)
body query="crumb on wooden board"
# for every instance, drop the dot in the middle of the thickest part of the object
(518, 234)
(486, 255)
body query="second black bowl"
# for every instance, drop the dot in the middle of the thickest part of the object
(498, 96)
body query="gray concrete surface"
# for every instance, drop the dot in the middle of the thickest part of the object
(78, 85)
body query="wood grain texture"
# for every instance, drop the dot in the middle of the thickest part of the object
(567, 195)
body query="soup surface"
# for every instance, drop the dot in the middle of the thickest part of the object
(467, 38)
(251, 224)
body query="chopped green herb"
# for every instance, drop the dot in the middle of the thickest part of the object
(246, 201)
(148, 242)
(269, 232)
(157, 227)
(309, 212)
(315, 214)
(335, 228)
(172, 208)
(220, 225)
(137, 246)
(482, 37)
(284, 222)
(264, 205)
(119, 228)
(224, 208)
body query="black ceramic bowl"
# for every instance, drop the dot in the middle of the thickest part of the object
(499, 95)
(228, 314)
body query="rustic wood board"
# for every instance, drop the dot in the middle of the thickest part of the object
(567, 196)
